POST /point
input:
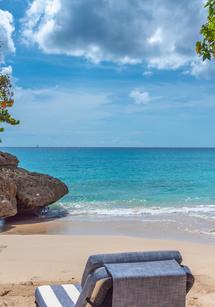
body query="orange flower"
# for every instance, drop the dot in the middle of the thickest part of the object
(3, 104)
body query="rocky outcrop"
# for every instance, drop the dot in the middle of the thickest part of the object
(8, 203)
(21, 190)
(8, 160)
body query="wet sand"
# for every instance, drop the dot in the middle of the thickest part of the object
(173, 227)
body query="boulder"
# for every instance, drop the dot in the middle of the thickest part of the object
(8, 160)
(35, 190)
(26, 191)
(8, 203)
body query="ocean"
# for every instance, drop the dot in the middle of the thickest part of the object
(137, 182)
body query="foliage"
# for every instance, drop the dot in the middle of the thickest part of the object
(206, 48)
(6, 101)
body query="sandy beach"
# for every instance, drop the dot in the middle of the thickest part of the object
(31, 260)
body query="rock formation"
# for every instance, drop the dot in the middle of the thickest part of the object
(8, 203)
(8, 160)
(21, 190)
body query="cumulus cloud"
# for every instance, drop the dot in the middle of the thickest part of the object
(6, 32)
(159, 33)
(140, 97)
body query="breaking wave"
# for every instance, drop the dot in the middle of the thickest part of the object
(127, 209)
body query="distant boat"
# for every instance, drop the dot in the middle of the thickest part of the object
(37, 146)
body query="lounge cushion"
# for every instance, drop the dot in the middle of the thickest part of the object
(99, 282)
(96, 261)
(147, 284)
(57, 295)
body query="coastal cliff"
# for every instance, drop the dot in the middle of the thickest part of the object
(22, 191)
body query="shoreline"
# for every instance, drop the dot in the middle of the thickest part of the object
(171, 227)
(31, 260)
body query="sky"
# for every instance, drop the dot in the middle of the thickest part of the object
(116, 73)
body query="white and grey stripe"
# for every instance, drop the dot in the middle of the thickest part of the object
(72, 292)
(57, 296)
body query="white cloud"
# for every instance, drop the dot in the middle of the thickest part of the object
(159, 33)
(157, 37)
(199, 68)
(147, 73)
(6, 32)
(6, 70)
(140, 97)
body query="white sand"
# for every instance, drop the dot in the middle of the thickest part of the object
(26, 261)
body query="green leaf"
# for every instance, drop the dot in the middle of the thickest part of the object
(206, 48)
(6, 101)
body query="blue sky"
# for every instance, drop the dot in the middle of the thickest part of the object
(107, 73)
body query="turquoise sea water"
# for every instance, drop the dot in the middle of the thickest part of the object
(128, 181)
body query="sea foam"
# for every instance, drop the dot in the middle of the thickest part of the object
(110, 209)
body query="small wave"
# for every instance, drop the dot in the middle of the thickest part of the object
(196, 199)
(211, 232)
(108, 209)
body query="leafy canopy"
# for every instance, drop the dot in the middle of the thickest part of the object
(6, 101)
(206, 48)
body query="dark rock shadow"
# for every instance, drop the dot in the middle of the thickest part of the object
(28, 218)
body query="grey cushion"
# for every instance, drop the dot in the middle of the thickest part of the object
(160, 283)
(96, 261)
(154, 284)
(190, 278)
(107, 274)
(96, 287)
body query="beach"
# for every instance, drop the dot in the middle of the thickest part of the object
(118, 200)
(36, 259)
(106, 146)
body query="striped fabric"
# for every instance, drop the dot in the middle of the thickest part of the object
(57, 295)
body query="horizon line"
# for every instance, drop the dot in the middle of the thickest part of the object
(115, 147)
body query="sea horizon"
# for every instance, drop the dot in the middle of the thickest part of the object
(117, 147)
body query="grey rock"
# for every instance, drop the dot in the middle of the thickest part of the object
(36, 190)
(8, 160)
(8, 203)
(21, 190)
